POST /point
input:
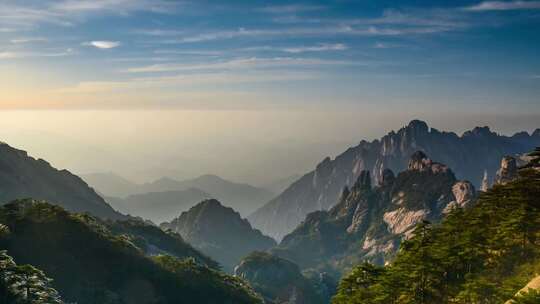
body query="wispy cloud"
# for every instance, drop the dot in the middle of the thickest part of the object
(102, 44)
(322, 47)
(344, 30)
(17, 55)
(242, 63)
(318, 48)
(504, 6)
(15, 15)
(283, 9)
(23, 40)
(224, 77)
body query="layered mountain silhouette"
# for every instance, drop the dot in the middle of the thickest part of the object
(22, 176)
(91, 261)
(470, 155)
(158, 207)
(219, 232)
(369, 221)
(242, 197)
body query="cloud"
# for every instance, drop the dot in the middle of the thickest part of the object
(242, 63)
(322, 47)
(283, 9)
(103, 44)
(319, 48)
(344, 30)
(384, 45)
(23, 40)
(504, 6)
(188, 80)
(17, 55)
(25, 16)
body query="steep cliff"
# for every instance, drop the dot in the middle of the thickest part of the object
(469, 155)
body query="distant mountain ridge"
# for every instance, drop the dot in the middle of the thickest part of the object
(243, 198)
(158, 206)
(369, 223)
(219, 232)
(22, 176)
(470, 155)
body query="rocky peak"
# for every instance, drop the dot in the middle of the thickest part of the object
(479, 132)
(420, 162)
(508, 170)
(418, 126)
(485, 182)
(536, 133)
(464, 192)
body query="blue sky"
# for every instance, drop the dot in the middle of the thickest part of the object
(260, 54)
(255, 90)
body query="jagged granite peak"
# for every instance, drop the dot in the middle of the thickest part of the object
(371, 224)
(219, 232)
(485, 182)
(508, 170)
(480, 132)
(536, 133)
(468, 155)
(464, 194)
(420, 162)
(418, 126)
(22, 176)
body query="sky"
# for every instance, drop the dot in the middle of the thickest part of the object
(255, 90)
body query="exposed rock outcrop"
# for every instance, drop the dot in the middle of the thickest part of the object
(508, 170)
(464, 194)
(485, 182)
(369, 223)
(468, 155)
(420, 162)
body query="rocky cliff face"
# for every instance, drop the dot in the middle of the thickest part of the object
(22, 176)
(219, 232)
(508, 170)
(369, 223)
(469, 155)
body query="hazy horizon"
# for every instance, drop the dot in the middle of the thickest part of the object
(255, 91)
(245, 146)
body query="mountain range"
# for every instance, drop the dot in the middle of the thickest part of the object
(471, 155)
(484, 253)
(369, 221)
(158, 207)
(242, 197)
(22, 176)
(219, 232)
(91, 261)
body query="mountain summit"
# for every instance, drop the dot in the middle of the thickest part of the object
(219, 232)
(369, 223)
(470, 155)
